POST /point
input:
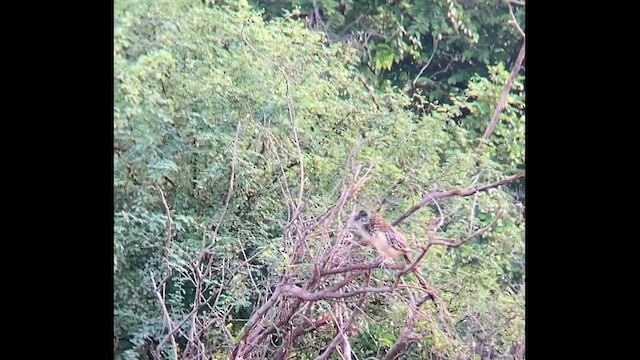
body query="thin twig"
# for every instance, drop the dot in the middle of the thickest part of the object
(354, 314)
(371, 91)
(473, 211)
(350, 25)
(234, 159)
(435, 47)
(441, 222)
(169, 221)
(167, 317)
(358, 266)
(465, 240)
(441, 71)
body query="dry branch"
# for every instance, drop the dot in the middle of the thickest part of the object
(354, 314)
(435, 47)
(460, 243)
(455, 192)
(371, 91)
(167, 318)
(503, 99)
(307, 326)
(231, 181)
(507, 88)
(169, 221)
(406, 334)
(328, 294)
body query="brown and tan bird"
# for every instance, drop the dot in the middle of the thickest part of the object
(383, 236)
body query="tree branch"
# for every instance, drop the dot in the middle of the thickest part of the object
(435, 47)
(354, 314)
(167, 317)
(327, 294)
(514, 22)
(298, 331)
(507, 89)
(406, 334)
(169, 221)
(455, 192)
(471, 236)
(371, 91)
(358, 266)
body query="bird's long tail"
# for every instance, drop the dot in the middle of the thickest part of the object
(421, 279)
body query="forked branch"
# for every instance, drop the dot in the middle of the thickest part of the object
(455, 192)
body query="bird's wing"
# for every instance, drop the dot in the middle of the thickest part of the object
(396, 241)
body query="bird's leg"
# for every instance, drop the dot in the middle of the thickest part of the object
(382, 261)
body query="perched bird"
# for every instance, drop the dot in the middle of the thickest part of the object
(383, 236)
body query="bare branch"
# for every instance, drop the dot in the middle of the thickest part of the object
(234, 160)
(503, 99)
(471, 236)
(354, 314)
(326, 294)
(446, 68)
(406, 334)
(167, 317)
(472, 213)
(371, 91)
(441, 222)
(298, 331)
(169, 221)
(254, 326)
(349, 25)
(358, 266)
(455, 192)
(169, 238)
(435, 47)
(514, 22)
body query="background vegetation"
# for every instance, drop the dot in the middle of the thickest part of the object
(248, 134)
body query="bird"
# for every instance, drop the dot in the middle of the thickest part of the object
(383, 236)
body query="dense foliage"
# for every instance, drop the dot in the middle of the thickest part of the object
(429, 47)
(233, 135)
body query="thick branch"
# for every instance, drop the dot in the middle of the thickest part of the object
(455, 192)
(514, 22)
